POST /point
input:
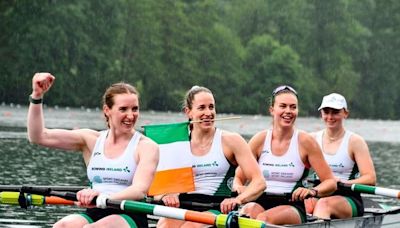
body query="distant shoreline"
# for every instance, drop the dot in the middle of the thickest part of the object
(14, 119)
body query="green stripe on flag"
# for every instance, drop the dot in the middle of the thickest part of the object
(167, 133)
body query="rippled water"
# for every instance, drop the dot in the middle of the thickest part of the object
(23, 163)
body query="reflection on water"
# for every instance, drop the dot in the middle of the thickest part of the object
(23, 163)
(386, 157)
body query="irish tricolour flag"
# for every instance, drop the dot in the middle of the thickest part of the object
(174, 172)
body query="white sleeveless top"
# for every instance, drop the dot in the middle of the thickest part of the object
(112, 175)
(213, 174)
(284, 173)
(340, 162)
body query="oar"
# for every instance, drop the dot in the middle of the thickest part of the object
(186, 203)
(217, 119)
(14, 198)
(17, 188)
(361, 188)
(199, 121)
(158, 210)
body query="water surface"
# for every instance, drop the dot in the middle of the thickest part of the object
(23, 163)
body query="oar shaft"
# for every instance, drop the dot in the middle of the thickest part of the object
(376, 190)
(17, 188)
(32, 199)
(217, 119)
(164, 211)
(159, 210)
(361, 188)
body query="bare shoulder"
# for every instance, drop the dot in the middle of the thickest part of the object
(85, 138)
(231, 138)
(230, 135)
(89, 136)
(356, 138)
(147, 143)
(305, 137)
(307, 141)
(256, 142)
(358, 144)
(313, 134)
(259, 136)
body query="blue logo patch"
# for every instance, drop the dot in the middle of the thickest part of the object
(97, 179)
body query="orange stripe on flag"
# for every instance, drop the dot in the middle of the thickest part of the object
(172, 181)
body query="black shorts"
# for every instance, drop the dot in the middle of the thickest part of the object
(270, 201)
(95, 214)
(201, 202)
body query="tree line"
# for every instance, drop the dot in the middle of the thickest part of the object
(239, 49)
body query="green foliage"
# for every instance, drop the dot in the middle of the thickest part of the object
(269, 64)
(240, 50)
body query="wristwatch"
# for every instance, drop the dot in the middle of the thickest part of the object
(35, 101)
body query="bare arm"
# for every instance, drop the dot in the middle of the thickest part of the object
(248, 167)
(148, 155)
(56, 138)
(359, 150)
(310, 148)
(239, 181)
(255, 143)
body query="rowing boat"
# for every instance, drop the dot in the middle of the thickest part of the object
(376, 214)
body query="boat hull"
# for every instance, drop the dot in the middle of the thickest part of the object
(367, 221)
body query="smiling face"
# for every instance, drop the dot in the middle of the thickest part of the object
(124, 112)
(284, 110)
(333, 118)
(202, 108)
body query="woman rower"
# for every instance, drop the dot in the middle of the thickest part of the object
(348, 156)
(224, 151)
(285, 155)
(132, 157)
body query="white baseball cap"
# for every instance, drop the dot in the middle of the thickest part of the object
(333, 100)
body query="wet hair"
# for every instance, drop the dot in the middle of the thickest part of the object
(280, 90)
(115, 89)
(189, 96)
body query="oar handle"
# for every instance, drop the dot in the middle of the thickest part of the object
(187, 203)
(342, 185)
(44, 191)
(158, 210)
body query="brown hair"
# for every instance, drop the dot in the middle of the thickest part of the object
(114, 89)
(189, 96)
(279, 90)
